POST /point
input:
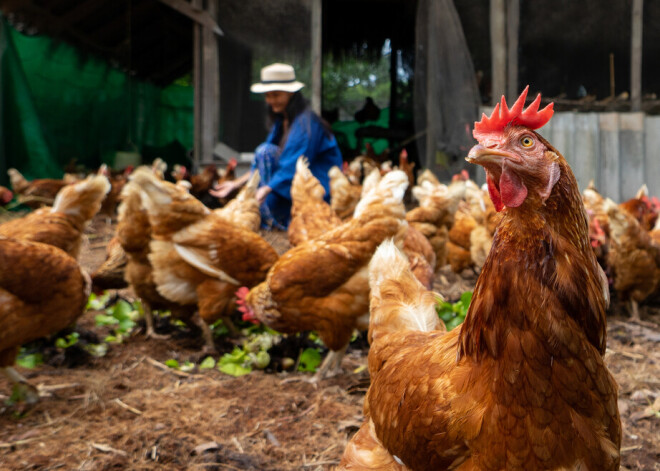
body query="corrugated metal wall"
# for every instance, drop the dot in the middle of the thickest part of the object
(618, 151)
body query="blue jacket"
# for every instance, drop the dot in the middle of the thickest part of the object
(307, 137)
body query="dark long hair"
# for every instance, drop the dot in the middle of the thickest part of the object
(297, 105)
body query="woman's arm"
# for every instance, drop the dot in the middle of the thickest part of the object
(262, 193)
(224, 188)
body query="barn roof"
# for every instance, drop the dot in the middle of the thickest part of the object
(150, 38)
(155, 42)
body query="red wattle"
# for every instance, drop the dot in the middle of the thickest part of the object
(512, 190)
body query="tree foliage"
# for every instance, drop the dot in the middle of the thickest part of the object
(348, 81)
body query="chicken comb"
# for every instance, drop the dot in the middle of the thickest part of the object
(502, 116)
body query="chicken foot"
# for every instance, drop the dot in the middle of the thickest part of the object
(331, 365)
(207, 334)
(635, 317)
(633, 307)
(149, 320)
(26, 391)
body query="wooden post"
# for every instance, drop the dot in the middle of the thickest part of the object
(394, 43)
(498, 48)
(211, 86)
(431, 121)
(197, 85)
(612, 87)
(432, 160)
(317, 55)
(512, 32)
(636, 55)
(206, 82)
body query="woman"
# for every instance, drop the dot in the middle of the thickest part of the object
(295, 130)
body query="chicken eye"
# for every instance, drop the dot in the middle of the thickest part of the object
(526, 141)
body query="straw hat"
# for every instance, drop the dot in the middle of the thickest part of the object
(279, 77)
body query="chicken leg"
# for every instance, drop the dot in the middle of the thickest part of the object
(331, 365)
(149, 320)
(634, 311)
(22, 387)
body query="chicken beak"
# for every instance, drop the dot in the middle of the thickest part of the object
(483, 155)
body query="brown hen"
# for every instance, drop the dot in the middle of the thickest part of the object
(435, 214)
(322, 284)
(243, 210)
(633, 257)
(35, 193)
(522, 383)
(63, 224)
(344, 195)
(198, 258)
(42, 290)
(110, 275)
(311, 215)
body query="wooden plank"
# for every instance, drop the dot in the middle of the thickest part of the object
(317, 54)
(117, 26)
(89, 41)
(631, 141)
(210, 89)
(513, 31)
(636, 55)
(651, 146)
(585, 158)
(206, 82)
(76, 14)
(498, 48)
(197, 84)
(546, 130)
(609, 156)
(195, 12)
(430, 157)
(563, 134)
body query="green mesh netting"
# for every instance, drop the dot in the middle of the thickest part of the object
(57, 105)
(345, 133)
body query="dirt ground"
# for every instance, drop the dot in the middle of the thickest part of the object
(127, 410)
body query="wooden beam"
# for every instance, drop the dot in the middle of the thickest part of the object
(211, 84)
(498, 48)
(119, 24)
(394, 105)
(512, 41)
(49, 19)
(636, 55)
(196, 13)
(206, 81)
(198, 64)
(317, 55)
(77, 13)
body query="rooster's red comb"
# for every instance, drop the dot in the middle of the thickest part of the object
(502, 116)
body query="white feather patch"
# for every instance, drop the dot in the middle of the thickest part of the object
(194, 259)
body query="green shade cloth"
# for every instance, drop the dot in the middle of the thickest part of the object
(57, 104)
(345, 132)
